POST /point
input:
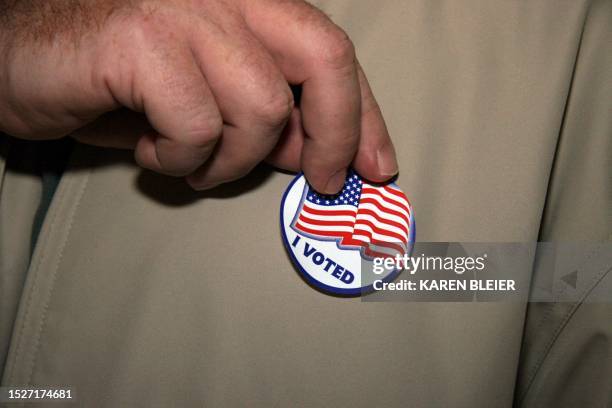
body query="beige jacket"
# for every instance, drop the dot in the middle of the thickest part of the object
(143, 293)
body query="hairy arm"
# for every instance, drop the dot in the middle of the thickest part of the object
(45, 20)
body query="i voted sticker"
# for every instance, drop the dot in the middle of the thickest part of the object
(336, 240)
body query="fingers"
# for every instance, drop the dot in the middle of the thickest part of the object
(312, 51)
(253, 98)
(233, 80)
(180, 106)
(375, 159)
(287, 152)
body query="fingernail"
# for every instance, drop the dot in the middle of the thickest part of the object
(387, 163)
(335, 182)
(208, 186)
(197, 185)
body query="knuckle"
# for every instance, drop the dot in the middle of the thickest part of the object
(336, 50)
(205, 132)
(275, 110)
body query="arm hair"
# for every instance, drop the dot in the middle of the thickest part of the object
(46, 20)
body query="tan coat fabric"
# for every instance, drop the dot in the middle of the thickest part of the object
(20, 195)
(144, 293)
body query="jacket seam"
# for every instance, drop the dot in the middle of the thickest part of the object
(19, 343)
(561, 327)
(45, 308)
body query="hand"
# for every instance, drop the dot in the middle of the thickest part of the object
(198, 88)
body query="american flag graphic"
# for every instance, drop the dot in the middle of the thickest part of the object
(375, 219)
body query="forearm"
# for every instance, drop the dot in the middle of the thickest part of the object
(39, 21)
(45, 50)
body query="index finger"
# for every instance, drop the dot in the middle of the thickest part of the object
(312, 51)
